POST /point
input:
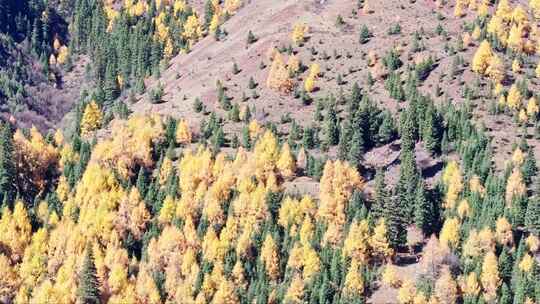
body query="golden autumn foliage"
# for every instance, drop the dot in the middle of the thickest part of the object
(503, 231)
(482, 58)
(533, 243)
(310, 82)
(490, 276)
(470, 286)
(450, 233)
(532, 108)
(130, 144)
(33, 158)
(454, 181)
(514, 98)
(515, 186)
(183, 132)
(91, 119)
(278, 76)
(446, 291)
(354, 284)
(338, 182)
(295, 292)
(390, 276)
(406, 292)
(526, 263)
(269, 256)
(192, 28)
(299, 33)
(286, 164)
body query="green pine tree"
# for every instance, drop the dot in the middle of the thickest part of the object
(381, 194)
(7, 167)
(88, 290)
(424, 213)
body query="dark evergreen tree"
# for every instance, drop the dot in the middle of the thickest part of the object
(406, 187)
(424, 213)
(380, 199)
(387, 130)
(142, 182)
(344, 140)
(331, 127)
(7, 167)
(532, 216)
(396, 223)
(529, 168)
(88, 291)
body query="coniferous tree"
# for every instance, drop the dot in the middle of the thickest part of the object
(142, 182)
(387, 130)
(88, 290)
(532, 216)
(431, 134)
(344, 140)
(356, 149)
(424, 213)
(331, 127)
(397, 233)
(529, 168)
(406, 187)
(381, 194)
(7, 167)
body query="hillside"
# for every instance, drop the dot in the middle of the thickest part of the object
(264, 151)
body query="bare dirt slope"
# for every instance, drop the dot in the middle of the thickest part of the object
(338, 51)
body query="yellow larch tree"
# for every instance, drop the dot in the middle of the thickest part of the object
(356, 244)
(338, 182)
(533, 243)
(519, 15)
(406, 292)
(454, 181)
(295, 292)
(514, 98)
(270, 258)
(91, 119)
(231, 6)
(532, 107)
(515, 187)
(286, 163)
(526, 264)
(278, 76)
(503, 231)
(15, 230)
(192, 28)
(450, 232)
(225, 293)
(516, 66)
(470, 286)
(183, 132)
(390, 276)
(311, 80)
(354, 284)
(463, 209)
(490, 276)
(504, 10)
(495, 70)
(515, 41)
(518, 157)
(311, 263)
(381, 249)
(446, 290)
(33, 268)
(535, 6)
(298, 33)
(482, 58)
